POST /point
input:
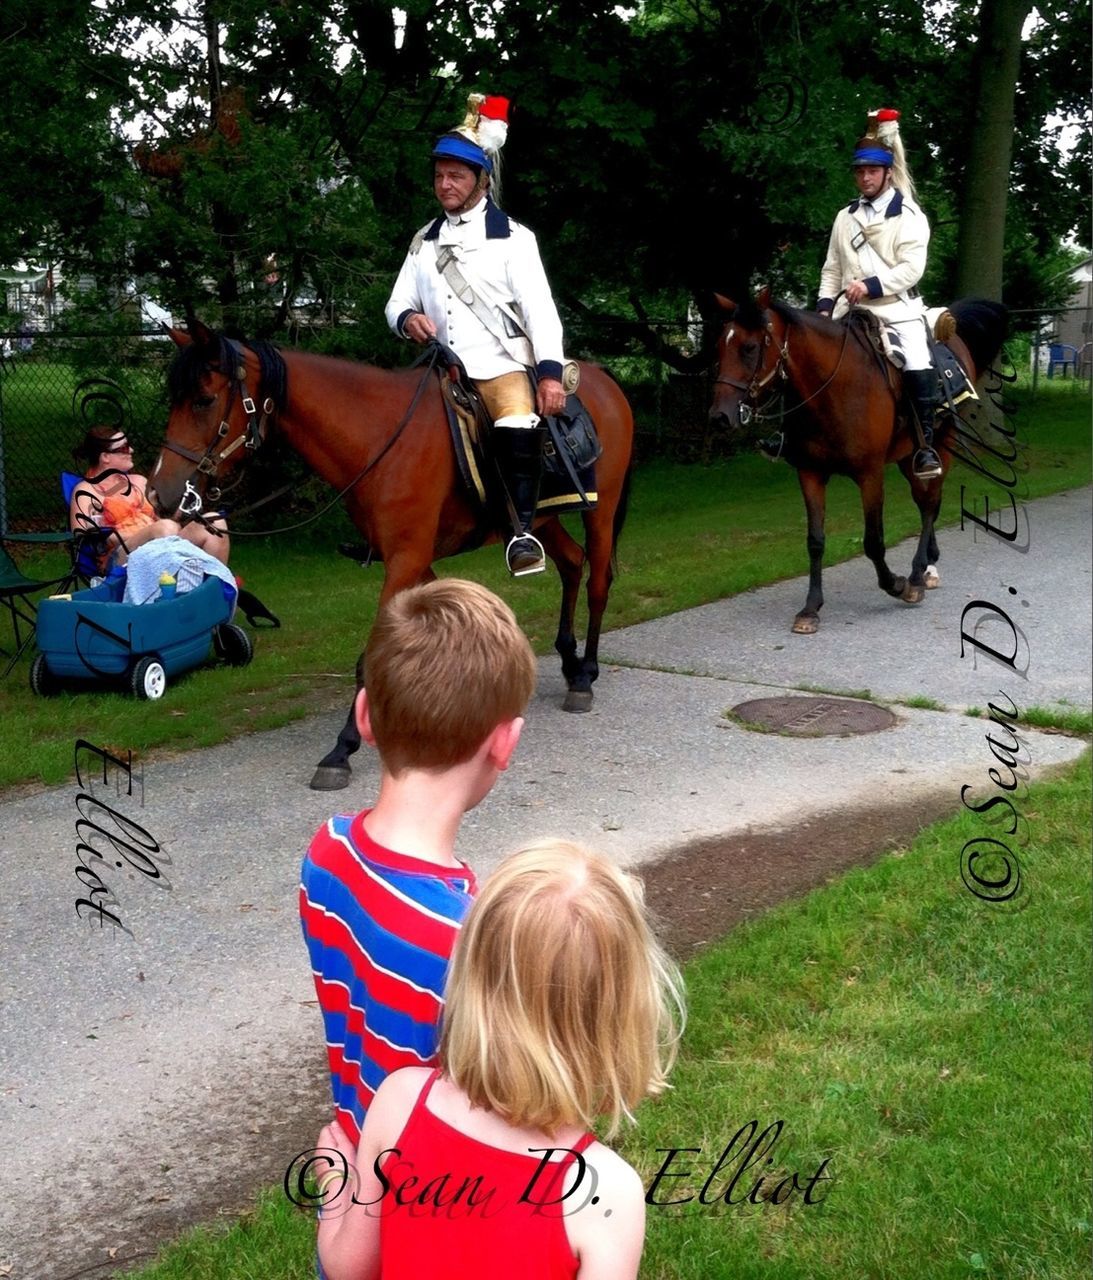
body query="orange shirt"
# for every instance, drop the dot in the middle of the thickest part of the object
(125, 510)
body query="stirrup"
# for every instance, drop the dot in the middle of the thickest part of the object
(772, 446)
(525, 555)
(926, 465)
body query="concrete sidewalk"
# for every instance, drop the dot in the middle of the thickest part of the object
(196, 1041)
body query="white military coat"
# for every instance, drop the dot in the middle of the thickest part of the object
(886, 250)
(500, 260)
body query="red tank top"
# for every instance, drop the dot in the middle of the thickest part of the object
(462, 1219)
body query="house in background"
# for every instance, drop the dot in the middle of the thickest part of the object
(31, 302)
(1074, 327)
(30, 299)
(1064, 345)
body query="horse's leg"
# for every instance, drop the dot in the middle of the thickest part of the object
(931, 577)
(600, 544)
(872, 501)
(333, 770)
(927, 496)
(568, 557)
(814, 490)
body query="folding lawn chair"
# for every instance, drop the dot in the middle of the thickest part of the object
(15, 592)
(87, 544)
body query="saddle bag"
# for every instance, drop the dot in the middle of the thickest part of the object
(571, 439)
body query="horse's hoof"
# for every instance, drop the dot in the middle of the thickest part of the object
(913, 594)
(578, 700)
(806, 624)
(898, 587)
(331, 777)
(931, 577)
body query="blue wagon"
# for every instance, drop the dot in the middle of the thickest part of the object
(93, 636)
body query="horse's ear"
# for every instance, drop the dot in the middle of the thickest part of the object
(726, 304)
(762, 298)
(180, 337)
(200, 334)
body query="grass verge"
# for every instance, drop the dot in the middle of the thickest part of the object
(694, 534)
(931, 1047)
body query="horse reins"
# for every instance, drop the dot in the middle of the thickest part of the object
(428, 357)
(756, 384)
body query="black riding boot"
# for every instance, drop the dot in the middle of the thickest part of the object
(519, 454)
(922, 391)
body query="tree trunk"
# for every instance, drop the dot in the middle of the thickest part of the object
(223, 222)
(981, 237)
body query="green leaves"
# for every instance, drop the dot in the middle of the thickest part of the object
(669, 150)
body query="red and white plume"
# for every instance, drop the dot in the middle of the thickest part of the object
(884, 126)
(487, 124)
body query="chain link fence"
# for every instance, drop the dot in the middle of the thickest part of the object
(53, 386)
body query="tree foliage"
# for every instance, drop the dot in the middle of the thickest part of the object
(259, 161)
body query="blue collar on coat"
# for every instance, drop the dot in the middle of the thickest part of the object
(497, 224)
(895, 206)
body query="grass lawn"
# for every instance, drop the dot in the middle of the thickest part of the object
(933, 1049)
(694, 534)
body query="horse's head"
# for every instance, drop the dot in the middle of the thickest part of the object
(217, 418)
(748, 358)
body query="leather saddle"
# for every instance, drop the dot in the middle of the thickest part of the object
(569, 452)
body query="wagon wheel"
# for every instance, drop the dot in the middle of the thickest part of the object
(233, 644)
(42, 681)
(148, 679)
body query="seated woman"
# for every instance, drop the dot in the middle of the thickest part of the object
(112, 496)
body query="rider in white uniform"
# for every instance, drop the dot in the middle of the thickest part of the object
(473, 279)
(876, 257)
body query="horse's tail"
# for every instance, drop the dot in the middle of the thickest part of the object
(982, 325)
(620, 518)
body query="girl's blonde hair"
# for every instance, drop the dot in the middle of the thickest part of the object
(561, 1006)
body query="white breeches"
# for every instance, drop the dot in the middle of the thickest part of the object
(912, 336)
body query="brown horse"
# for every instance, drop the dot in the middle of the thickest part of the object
(843, 416)
(380, 436)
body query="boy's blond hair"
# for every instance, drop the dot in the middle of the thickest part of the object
(560, 1004)
(446, 663)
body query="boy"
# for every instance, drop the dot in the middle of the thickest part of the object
(382, 894)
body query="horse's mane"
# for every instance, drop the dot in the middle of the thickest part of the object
(192, 362)
(861, 323)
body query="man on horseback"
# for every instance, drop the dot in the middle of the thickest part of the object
(473, 280)
(875, 259)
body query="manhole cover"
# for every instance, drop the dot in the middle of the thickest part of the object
(815, 717)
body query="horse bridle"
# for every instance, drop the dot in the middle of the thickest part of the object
(756, 383)
(252, 437)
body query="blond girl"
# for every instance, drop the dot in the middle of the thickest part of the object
(561, 1010)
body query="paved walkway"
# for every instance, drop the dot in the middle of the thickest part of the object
(141, 1075)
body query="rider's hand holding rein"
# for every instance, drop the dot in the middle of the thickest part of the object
(549, 397)
(419, 328)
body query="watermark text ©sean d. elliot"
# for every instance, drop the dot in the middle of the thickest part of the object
(743, 1172)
